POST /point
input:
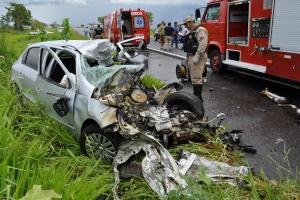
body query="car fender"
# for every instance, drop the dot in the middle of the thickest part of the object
(91, 109)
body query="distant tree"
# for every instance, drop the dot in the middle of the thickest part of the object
(4, 21)
(66, 32)
(101, 20)
(151, 17)
(37, 25)
(54, 25)
(19, 15)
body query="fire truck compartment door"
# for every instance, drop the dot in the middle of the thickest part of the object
(285, 26)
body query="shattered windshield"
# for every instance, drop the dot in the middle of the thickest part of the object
(98, 74)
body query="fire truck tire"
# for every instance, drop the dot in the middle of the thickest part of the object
(186, 101)
(215, 61)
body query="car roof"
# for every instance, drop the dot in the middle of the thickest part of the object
(81, 45)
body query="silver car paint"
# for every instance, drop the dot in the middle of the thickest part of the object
(81, 105)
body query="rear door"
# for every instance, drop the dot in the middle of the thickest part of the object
(26, 72)
(139, 24)
(285, 39)
(285, 26)
(51, 87)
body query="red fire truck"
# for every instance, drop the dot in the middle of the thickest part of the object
(261, 36)
(125, 24)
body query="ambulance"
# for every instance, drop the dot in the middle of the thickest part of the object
(126, 24)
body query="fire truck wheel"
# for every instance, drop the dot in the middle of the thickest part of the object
(216, 61)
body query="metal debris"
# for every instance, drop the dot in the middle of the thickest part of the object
(163, 174)
(190, 164)
(159, 168)
(277, 99)
(281, 101)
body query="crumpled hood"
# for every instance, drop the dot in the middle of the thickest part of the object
(101, 76)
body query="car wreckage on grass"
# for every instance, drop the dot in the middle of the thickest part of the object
(105, 105)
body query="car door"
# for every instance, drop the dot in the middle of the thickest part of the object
(26, 72)
(53, 95)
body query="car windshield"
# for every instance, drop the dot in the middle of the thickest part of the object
(98, 74)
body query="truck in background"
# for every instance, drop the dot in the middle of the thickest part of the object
(257, 36)
(125, 24)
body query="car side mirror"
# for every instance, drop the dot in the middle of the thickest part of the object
(198, 14)
(61, 107)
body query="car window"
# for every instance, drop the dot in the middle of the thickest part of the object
(32, 58)
(213, 12)
(53, 71)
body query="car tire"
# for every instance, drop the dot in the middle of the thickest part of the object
(215, 61)
(186, 101)
(98, 144)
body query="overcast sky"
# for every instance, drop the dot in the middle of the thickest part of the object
(85, 11)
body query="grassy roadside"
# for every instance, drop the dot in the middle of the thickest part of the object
(36, 150)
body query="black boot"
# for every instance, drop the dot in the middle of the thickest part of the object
(198, 91)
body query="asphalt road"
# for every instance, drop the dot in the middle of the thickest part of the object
(272, 130)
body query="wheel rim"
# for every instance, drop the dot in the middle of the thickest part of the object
(99, 147)
(215, 62)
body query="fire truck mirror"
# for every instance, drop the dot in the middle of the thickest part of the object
(198, 14)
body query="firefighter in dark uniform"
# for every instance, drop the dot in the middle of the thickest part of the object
(98, 32)
(195, 46)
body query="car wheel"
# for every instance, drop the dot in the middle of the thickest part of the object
(186, 101)
(95, 143)
(216, 61)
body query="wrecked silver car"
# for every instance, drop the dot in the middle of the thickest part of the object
(80, 85)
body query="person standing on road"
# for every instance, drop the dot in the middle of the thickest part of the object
(161, 31)
(195, 46)
(182, 34)
(98, 32)
(176, 35)
(156, 34)
(169, 30)
(86, 32)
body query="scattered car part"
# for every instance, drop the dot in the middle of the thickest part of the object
(277, 99)
(161, 171)
(185, 101)
(183, 72)
(281, 101)
(190, 164)
(294, 107)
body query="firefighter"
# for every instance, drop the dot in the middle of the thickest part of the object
(98, 32)
(195, 46)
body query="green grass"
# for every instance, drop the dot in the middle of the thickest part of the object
(150, 81)
(36, 150)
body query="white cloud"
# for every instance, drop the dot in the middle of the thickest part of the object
(158, 2)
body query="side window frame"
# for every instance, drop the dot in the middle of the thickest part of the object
(212, 7)
(25, 57)
(55, 59)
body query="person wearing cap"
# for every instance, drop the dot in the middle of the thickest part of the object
(161, 31)
(195, 45)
